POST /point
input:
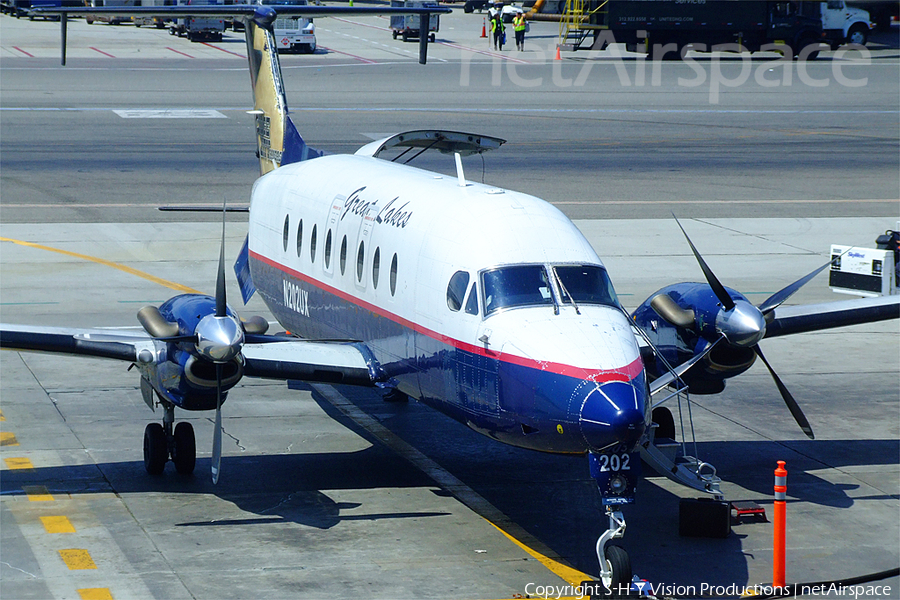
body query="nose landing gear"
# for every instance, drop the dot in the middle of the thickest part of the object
(616, 474)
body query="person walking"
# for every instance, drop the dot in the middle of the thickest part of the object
(519, 26)
(498, 29)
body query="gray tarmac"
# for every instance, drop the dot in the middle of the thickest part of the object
(331, 492)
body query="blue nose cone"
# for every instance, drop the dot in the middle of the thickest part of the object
(612, 415)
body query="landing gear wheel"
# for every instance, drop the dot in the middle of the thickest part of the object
(184, 452)
(662, 416)
(620, 569)
(156, 451)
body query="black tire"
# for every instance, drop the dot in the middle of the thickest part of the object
(803, 42)
(858, 35)
(405, 36)
(394, 33)
(185, 448)
(620, 567)
(662, 416)
(431, 38)
(156, 451)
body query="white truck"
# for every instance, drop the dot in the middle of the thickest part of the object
(843, 24)
(296, 34)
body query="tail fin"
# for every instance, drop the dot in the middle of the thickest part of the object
(277, 140)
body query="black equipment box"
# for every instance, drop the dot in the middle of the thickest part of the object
(704, 517)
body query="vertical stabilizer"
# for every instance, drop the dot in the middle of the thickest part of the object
(277, 140)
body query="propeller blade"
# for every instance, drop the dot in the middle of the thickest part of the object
(776, 299)
(714, 283)
(217, 434)
(788, 399)
(220, 278)
(177, 339)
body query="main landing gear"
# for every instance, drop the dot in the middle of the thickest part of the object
(163, 441)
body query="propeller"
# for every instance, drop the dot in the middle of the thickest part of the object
(742, 324)
(221, 318)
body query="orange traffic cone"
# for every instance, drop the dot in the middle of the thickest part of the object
(484, 28)
(558, 57)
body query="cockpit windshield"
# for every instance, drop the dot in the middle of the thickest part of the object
(587, 284)
(529, 285)
(524, 285)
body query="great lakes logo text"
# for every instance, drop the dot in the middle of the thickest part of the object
(394, 213)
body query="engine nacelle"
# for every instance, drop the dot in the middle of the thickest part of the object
(178, 372)
(680, 320)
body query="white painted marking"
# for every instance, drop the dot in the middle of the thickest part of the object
(170, 113)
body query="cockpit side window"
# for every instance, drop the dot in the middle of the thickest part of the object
(472, 302)
(587, 284)
(456, 290)
(524, 285)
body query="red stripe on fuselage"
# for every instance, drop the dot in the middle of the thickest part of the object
(624, 373)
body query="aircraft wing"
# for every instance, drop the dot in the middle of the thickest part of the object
(100, 343)
(271, 357)
(812, 317)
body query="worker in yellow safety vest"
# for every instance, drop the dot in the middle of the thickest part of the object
(498, 30)
(519, 25)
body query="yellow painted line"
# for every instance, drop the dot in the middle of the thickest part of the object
(18, 462)
(573, 577)
(57, 525)
(8, 439)
(95, 594)
(77, 559)
(2, 418)
(101, 261)
(37, 493)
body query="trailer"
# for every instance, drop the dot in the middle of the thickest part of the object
(409, 27)
(666, 29)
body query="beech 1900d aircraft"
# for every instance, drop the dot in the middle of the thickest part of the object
(373, 268)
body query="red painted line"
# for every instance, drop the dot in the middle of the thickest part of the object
(360, 58)
(223, 49)
(179, 52)
(102, 52)
(624, 373)
(23, 52)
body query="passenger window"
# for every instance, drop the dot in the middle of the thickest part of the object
(312, 245)
(472, 302)
(393, 274)
(360, 261)
(376, 267)
(328, 249)
(343, 254)
(299, 238)
(287, 233)
(456, 290)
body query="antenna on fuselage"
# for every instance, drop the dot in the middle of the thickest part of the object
(459, 170)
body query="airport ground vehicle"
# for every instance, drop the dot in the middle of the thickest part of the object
(662, 28)
(294, 34)
(665, 29)
(409, 27)
(199, 29)
(845, 24)
(22, 8)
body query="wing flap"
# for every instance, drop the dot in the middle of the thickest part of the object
(325, 362)
(813, 317)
